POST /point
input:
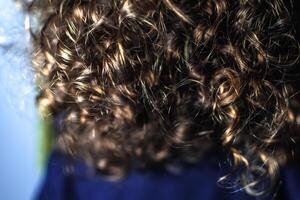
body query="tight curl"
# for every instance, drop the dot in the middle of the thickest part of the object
(137, 83)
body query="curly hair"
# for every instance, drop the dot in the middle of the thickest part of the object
(147, 83)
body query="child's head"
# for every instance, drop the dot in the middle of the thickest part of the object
(152, 82)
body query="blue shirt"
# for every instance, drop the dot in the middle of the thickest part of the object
(67, 179)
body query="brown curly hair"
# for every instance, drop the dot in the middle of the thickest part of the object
(139, 83)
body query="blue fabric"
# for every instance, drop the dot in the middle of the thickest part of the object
(66, 180)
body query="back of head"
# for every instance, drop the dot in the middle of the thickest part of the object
(140, 83)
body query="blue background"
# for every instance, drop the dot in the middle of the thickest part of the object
(19, 168)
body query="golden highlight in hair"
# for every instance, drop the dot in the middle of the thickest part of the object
(140, 83)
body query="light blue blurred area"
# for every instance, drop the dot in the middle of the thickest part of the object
(19, 170)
